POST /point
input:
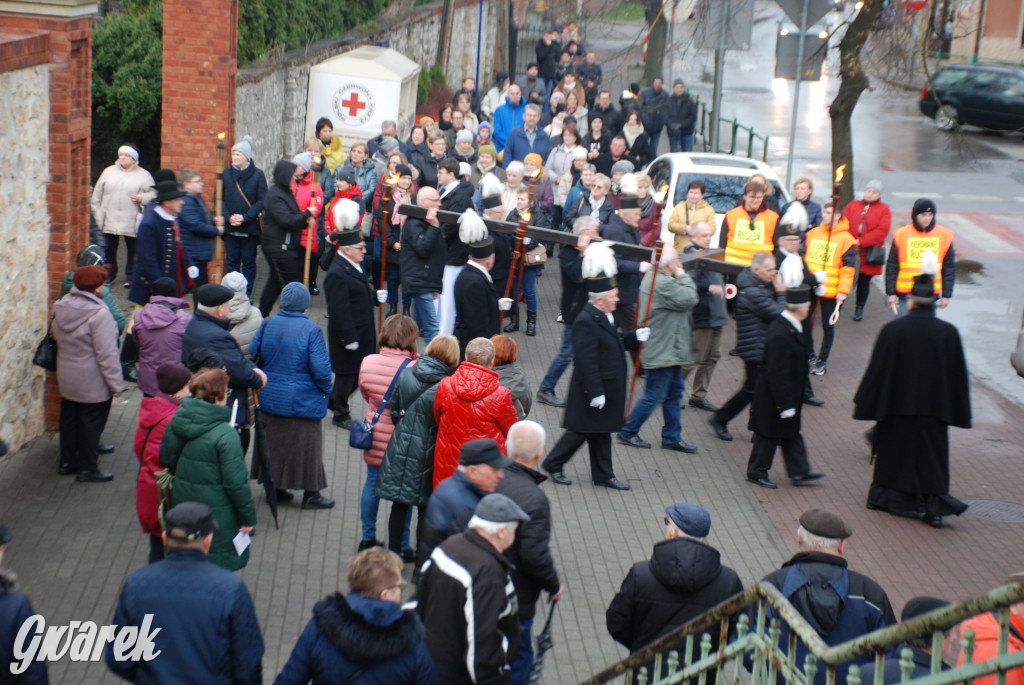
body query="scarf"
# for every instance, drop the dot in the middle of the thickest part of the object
(631, 133)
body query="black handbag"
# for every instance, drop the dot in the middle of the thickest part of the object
(875, 254)
(46, 351)
(360, 436)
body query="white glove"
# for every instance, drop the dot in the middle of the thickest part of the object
(821, 275)
(352, 346)
(820, 290)
(645, 267)
(382, 296)
(597, 402)
(787, 413)
(643, 334)
(193, 272)
(505, 304)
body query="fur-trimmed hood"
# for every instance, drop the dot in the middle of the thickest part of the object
(367, 630)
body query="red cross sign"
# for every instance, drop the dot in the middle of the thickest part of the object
(353, 104)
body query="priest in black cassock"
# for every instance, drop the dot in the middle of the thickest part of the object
(915, 387)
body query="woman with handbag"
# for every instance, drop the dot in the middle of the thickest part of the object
(292, 352)
(245, 186)
(533, 259)
(870, 222)
(378, 375)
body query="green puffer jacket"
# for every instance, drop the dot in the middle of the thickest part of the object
(205, 455)
(407, 472)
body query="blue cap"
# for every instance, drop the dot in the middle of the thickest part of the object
(692, 519)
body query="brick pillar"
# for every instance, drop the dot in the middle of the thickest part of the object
(199, 69)
(68, 24)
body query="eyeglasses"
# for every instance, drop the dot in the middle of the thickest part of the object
(400, 586)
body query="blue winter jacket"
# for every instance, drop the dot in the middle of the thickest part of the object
(206, 331)
(208, 628)
(197, 229)
(298, 368)
(518, 145)
(448, 511)
(15, 609)
(506, 118)
(350, 633)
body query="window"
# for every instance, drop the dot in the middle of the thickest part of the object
(723, 192)
(950, 77)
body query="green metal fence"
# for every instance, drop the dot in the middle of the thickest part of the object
(750, 649)
(704, 119)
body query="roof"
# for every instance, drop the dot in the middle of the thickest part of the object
(372, 61)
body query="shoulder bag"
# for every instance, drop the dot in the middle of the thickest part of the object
(536, 255)
(46, 350)
(259, 217)
(873, 254)
(360, 436)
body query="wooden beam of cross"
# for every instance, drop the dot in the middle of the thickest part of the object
(707, 260)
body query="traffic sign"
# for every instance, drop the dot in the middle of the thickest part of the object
(914, 5)
(816, 9)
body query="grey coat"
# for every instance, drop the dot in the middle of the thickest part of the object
(88, 366)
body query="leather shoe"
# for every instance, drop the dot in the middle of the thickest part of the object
(702, 404)
(763, 482)
(559, 478)
(367, 544)
(94, 476)
(933, 521)
(633, 441)
(814, 401)
(314, 289)
(105, 449)
(613, 483)
(807, 478)
(858, 312)
(342, 423)
(549, 397)
(317, 501)
(409, 556)
(720, 430)
(66, 468)
(681, 446)
(284, 496)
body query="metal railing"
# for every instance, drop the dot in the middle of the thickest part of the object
(704, 118)
(974, 59)
(755, 645)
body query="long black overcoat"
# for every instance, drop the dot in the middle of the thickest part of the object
(780, 384)
(476, 306)
(350, 300)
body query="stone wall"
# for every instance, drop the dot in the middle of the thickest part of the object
(271, 95)
(24, 244)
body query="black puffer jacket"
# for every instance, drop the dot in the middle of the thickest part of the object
(710, 309)
(757, 304)
(407, 472)
(533, 568)
(422, 257)
(683, 579)
(282, 220)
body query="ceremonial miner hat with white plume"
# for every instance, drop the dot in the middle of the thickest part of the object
(792, 274)
(473, 232)
(924, 283)
(599, 267)
(490, 191)
(346, 222)
(793, 222)
(628, 192)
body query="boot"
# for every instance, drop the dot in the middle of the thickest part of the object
(513, 324)
(531, 323)
(314, 289)
(130, 372)
(405, 310)
(392, 310)
(858, 313)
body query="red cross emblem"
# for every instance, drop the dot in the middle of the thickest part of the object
(353, 104)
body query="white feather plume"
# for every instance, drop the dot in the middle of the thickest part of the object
(796, 216)
(472, 228)
(929, 263)
(792, 270)
(346, 214)
(627, 184)
(490, 185)
(599, 260)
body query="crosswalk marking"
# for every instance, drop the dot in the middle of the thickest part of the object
(930, 195)
(980, 198)
(979, 237)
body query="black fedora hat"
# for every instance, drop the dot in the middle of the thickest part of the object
(167, 186)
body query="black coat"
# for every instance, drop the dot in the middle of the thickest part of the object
(613, 119)
(457, 200)
(581, 207)
(15, 609)
(476, 306)
(629, 267)
(282, 220)
(757, 304)
(244, 191)
(533, 568)
(422, 257)
(599, 368)
(681, 113)
(640, 150)
(683, 579)
(604, 162)
(350, 301)
(710, 309)
(574, 293)
(782, 380)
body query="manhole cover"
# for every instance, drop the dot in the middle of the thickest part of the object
(995, 510)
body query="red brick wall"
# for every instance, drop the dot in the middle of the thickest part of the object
(67, 193)
(199, 68)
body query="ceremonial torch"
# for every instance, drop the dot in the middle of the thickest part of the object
(647, 313)
(312, 224)
(216, 271)
(387, 189)
(517, 256)
(837, 185)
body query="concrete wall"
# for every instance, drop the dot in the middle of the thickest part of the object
(24, 244)
(271, 95)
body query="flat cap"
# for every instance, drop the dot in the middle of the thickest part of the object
(692, 519)
(189, 521)
(483, 451)
(214, 294)
(498, 508)
(825, 523)
(922, 605)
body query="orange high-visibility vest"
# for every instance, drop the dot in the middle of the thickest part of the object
(827, 252)
(910, 243)
(745, 237)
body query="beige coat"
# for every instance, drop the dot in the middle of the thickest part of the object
(244, 320)
(683, 216)
(112, 204)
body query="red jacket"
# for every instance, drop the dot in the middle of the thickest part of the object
(375, 375)
(986, 637)
(469, 404)
(874, 231)
(304, 191)
(154, 415)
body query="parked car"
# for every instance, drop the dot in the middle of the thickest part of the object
(990, 96)
(723, 175)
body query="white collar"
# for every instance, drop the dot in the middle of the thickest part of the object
(611, 318)
(788, 316)
(481, 267)
(451, 185)
(163, 213)
(359, 267)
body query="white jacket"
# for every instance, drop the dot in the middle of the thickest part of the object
(112, 204)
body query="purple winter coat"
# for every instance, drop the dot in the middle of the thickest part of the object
(158, 330)
(88, 366)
